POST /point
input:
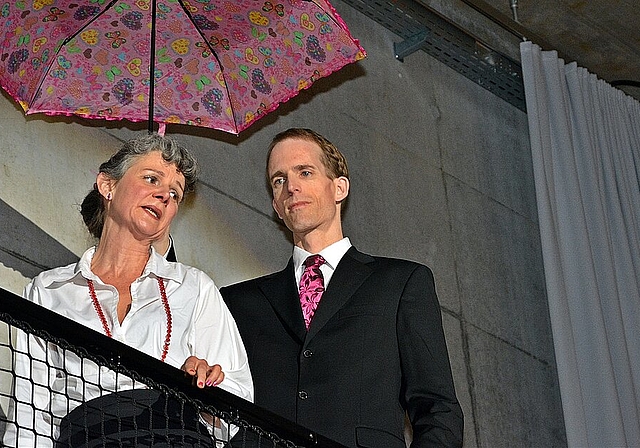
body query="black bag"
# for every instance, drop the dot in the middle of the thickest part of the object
(134, 418)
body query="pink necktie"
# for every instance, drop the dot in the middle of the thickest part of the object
(311, 287)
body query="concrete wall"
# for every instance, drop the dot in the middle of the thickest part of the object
(441, 174)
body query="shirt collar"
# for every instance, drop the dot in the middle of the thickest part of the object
(157, 265)
(332, 254)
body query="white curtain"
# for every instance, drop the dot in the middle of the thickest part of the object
(585, 141)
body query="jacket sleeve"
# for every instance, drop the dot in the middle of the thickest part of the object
(427, 383)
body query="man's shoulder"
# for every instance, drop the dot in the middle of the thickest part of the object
(384, 262)
(250, 284)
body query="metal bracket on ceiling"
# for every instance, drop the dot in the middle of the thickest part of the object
(410, 45)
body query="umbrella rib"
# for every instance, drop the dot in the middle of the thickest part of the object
(65, 42)
(82, 28)
(333, 15)
(215, 54)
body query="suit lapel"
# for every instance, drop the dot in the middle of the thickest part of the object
(281, 292)
(350, 273)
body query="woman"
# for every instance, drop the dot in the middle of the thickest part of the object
(123, 288)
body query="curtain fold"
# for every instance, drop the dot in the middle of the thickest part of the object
(585, 143)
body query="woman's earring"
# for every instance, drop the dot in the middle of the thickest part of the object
(109, 196)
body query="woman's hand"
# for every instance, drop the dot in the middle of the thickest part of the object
(203, 374)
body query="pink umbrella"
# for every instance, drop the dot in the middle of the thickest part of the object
(221, 64)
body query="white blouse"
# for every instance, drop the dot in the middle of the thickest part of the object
(202, 326)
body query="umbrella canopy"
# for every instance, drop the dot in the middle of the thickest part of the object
(214, 63)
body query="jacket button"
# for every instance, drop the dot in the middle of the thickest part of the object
(303, 395)
(307, 353)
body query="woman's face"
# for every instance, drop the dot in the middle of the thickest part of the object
(145, 200)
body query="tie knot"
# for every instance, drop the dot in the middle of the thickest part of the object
(314, 261)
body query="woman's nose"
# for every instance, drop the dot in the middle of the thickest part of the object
(163, 195)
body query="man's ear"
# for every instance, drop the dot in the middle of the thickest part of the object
(105, 184)
(273, 204)
(342, 188)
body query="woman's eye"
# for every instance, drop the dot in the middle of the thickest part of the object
(175, 196)
(151, 179)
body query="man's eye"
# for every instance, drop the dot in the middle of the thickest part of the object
(305, 173)
(278, 181)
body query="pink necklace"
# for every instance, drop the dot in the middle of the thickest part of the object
(165, 303)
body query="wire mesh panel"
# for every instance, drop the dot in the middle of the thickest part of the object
(65, 385)
(64, 399)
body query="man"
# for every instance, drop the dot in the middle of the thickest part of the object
(374, 348)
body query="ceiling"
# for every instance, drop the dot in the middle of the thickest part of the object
(602, 36)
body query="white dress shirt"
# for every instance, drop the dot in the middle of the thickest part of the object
(332, 255)
(202, 326)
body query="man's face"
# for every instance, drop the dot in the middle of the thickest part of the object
(303, 194)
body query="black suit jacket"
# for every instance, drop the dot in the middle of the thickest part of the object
(375, 348)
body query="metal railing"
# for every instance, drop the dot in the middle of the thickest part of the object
(255, 426)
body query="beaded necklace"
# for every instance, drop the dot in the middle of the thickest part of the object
(165, 303)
